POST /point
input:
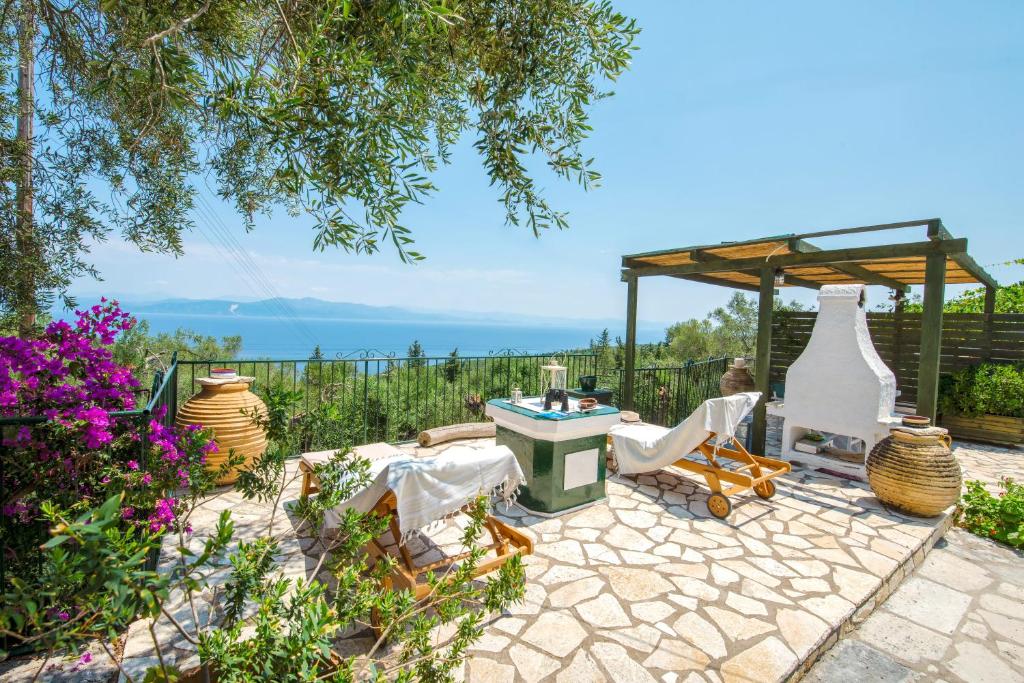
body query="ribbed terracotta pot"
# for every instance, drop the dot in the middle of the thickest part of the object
(736, 379)
(914, 471)
(220, 407)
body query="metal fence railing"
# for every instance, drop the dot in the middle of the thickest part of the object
(383, 398)
(666, 396)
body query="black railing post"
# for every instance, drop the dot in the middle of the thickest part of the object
(366, 394)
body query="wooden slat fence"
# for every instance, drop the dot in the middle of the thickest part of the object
(966, 340)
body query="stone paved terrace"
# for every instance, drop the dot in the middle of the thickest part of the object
(647, 586)
(958, 618)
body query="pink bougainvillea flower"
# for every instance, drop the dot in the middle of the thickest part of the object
(69, 376)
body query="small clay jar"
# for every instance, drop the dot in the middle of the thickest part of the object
(736, 379)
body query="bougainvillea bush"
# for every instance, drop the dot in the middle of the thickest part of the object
(105, 488)
(88, 443)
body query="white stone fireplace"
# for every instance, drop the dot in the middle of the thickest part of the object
(838, 384)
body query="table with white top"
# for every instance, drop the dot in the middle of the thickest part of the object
(562, 453)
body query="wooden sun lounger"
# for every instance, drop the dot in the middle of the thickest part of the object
(756, 472)
(506, 542)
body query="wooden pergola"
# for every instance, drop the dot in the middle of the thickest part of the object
(764, 264)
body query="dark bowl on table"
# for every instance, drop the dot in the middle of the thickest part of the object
(588, 382)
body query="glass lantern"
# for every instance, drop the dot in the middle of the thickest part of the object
(552, 376)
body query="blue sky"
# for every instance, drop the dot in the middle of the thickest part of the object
(737, 120)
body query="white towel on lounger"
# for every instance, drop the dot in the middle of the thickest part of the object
(432, 488)
(646, 448)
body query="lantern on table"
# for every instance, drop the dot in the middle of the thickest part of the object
(552, 381)
(552, 375)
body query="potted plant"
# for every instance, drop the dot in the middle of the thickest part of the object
(984, 402)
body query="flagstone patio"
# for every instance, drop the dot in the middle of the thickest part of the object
(647, 586)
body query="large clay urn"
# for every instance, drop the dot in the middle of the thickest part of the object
(736, 379)
(913, 470)
(225, 407)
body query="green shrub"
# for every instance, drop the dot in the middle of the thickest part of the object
(985, 389)
(997, 517)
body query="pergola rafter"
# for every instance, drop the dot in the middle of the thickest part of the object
(755, 265)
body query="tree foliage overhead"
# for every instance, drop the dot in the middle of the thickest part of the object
(340, 109)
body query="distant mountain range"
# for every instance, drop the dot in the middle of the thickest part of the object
(303, 308)
(338, 310)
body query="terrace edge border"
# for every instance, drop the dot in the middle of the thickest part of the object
(862, 611)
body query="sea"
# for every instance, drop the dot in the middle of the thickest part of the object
(295, 339)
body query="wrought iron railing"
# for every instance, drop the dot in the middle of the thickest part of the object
(373, 397)
(666, 395)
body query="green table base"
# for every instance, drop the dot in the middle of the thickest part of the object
(543, 463)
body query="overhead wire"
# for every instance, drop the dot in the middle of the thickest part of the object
(219, 235)
(268, 294)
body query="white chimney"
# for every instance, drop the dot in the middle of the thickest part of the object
(838, 384)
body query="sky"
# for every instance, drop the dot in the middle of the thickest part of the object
(736, 120)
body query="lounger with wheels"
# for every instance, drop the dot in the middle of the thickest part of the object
(710, 431)
(416, 492)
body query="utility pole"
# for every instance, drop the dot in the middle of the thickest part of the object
(24, 231)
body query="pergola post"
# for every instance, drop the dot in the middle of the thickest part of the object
(897, 342)
(763, 361)
(931, 335)
(626, 399)
(990, 310)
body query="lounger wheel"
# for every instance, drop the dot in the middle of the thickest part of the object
(719, 505)
(766, 489)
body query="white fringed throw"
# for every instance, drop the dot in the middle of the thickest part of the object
(646, 448)
(433, 488)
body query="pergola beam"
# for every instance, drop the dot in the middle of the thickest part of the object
(966, 262)
(937, 232)
(852, 269)
(626, 260)
(823, 257)
(801, 282)
(703, 279)
(705, 257)
(867, 228)
(700, 247)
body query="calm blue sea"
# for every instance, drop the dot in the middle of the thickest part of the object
(274, 338)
